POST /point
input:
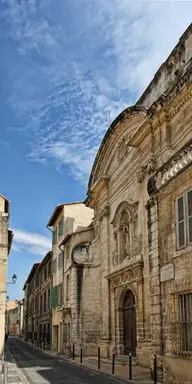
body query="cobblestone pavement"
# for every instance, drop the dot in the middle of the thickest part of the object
(34, 366)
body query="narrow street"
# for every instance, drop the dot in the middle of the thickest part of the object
(38, 367)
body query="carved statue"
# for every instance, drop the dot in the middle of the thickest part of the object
(127, 241)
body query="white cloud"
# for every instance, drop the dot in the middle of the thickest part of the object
(30, 242)
(82, 63)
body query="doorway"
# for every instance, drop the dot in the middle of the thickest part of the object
(129, 323)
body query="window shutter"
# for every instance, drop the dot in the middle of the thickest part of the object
(189, 216)
(53, 297)
(61, 293)
(181, 227)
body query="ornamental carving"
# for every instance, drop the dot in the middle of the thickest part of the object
(81, 254)
(104, 213)
(125, 232)
(149, 168)
(122, 150)
(129, 275)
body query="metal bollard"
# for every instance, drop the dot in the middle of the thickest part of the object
(113, 363)
(73, 351)
(130, 366)
(99, 358)
(44, 344)
(155, 370)
(6, 374)
(81, 355)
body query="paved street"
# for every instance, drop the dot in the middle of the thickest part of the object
(39, 367)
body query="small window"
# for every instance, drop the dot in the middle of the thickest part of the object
(49, 304)
(185, 321)
(60, 260)
(54, 236)
(49, 270)
(45, 273)
(67, 287)
(184, 220)
(54, 266)
(45, 302)
(61, 227)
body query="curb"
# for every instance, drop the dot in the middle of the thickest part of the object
(115, 379)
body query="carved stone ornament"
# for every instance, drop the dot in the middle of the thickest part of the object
(149, 168)
(127, 276)
(127, 242)
(122, 150)
(104, 213)
(81, 254)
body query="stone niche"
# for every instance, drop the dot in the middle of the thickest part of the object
(125, 231)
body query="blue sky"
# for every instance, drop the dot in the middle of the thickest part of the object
(67, 69)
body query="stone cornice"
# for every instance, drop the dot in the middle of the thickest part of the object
(168, 171)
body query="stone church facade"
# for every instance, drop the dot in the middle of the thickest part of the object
(141, 191)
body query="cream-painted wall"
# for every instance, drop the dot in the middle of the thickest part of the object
(2, 204)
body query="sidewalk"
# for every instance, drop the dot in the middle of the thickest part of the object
(140, 375)
(13, 373)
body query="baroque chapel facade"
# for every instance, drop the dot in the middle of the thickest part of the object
(141, 191)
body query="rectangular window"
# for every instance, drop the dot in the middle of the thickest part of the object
(184, 219)
(49, 304)
(54, 266)
(49, 270)
(41, 304)
(45, 302)
(45, 273)
(54, 236)
(61, 227)
(189, 215)
(67, 287)
(185, 321)
(60, 260)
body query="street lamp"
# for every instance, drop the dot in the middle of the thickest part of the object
(14, 279)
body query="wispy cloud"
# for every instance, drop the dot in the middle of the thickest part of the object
(79, 64)
(30, 242)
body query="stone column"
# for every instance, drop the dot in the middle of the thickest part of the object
(3, 275)
(154, 270)
(104, 249)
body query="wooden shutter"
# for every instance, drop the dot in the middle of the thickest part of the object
(53, 296)
(189, 215)
(181, 226)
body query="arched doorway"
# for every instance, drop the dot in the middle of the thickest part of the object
(129, 323)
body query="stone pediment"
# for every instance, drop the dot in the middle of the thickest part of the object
(128, 274)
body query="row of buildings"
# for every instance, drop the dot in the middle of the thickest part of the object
(6, 236)
(14, 318)
(119, 274)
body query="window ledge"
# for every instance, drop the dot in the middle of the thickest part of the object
(183, 251)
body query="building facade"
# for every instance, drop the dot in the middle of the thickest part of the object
(81, 309)
(31, 304)
(45, 280)
(141, 191)
(66, 219)
(14, 318)
(6, 237)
